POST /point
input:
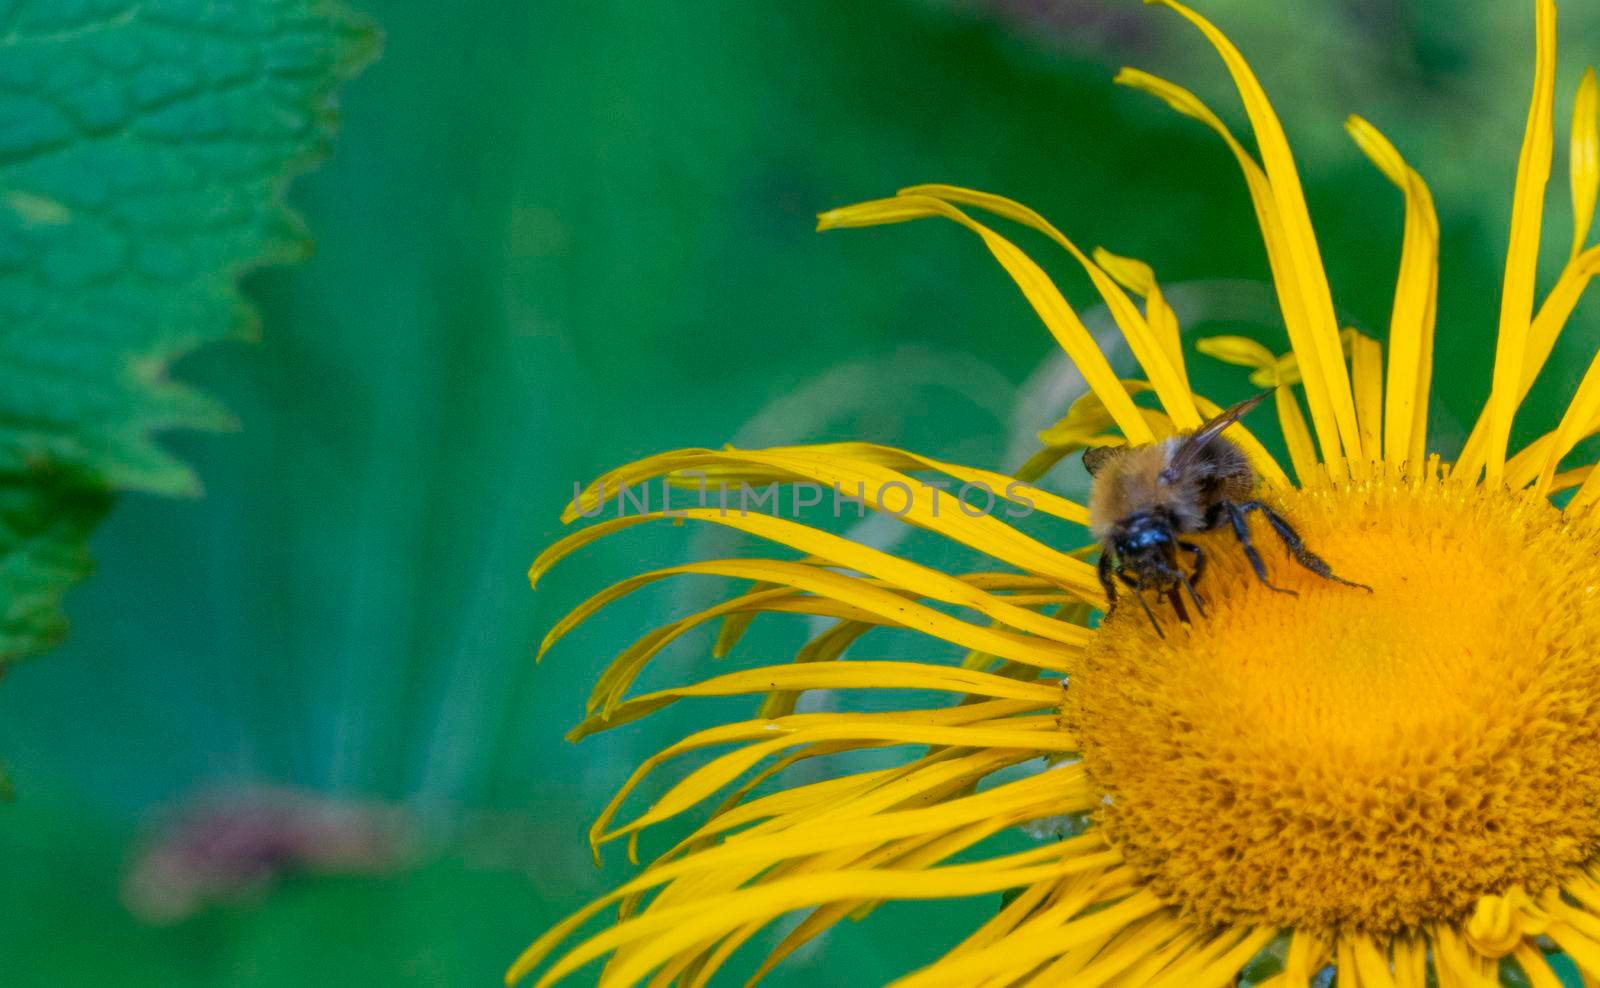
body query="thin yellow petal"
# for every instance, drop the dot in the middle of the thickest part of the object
(1155, 358)
(1086, 969)
(659, 872)
(1410, 962)
(1547, 326)
(915, 503)
(1366, 376)
(1218, 962)
(1036, 286)
(1584, 951)
(833, 727)
(1186, 942)
(1456, 963)
(1568, 479)
(1302, 455)
(1299, 240)
(829, 676)
(1576, 423)
(1585, 175)
(834, 802)
(994, 809)
(910, 854)
(1036, 947)
(1138, 277)
(1411, 325)
(700, 784)
(861, 599)
(865, 600)
(667, 931)
(1238, 350)
(826, 647)
(1308, 951)
(1371, 967)
(1588, 493)
(1535, 966)
(1522, 250)
(1088, 417)
(1003, 922)
(1002, 486)
(1295, 314)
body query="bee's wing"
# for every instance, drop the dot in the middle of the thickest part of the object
(1189, 449)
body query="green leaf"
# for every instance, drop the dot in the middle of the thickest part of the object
(44, 524)
(145, 149)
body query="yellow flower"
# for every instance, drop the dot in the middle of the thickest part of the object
(1403, 785)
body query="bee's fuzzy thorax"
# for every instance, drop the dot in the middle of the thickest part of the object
(1130, 483)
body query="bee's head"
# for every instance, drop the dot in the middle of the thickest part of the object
(1146, 549)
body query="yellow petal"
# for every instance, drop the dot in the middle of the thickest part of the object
(1411, 324)
(1410, 962)
(1547, 326)
(864, 599)
(1584, 951)
(1456, 963)
(1224, 970)
(1299, 240)
(1535, 966)
(1021, 948)
(1036, 286)
(882, 489)
(1522, 250)
(1577, 423)
(1302, 455)
(829, 676)
(1092, 969)
(1371, 966)
(1366, 376)
(1072, 436)
(1137, 277)
(1154, 357)
(1585, 158)
(804, 728)
(1035, 734)
(1238, 350)
(1088, 416)
(1304, 327)
(912, 853)
(1308, 951)
(669, 930)
(826, 647)
(1002, 486)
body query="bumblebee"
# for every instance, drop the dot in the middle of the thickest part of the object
(1145, 499)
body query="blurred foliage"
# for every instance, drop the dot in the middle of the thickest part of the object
(143, 162)
(556, 236)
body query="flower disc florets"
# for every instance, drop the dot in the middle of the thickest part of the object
(1353, 760)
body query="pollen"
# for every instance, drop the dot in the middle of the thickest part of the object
(1350, 761)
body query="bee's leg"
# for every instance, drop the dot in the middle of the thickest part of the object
(1189, 585)
(1297, 546)
(1199, 571)
(1138, 593)
(1106, 582)
(1199, 558)
(1176, 600)
(1176, 578)
(1241, 529)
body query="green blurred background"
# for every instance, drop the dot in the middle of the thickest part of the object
(555, 236)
